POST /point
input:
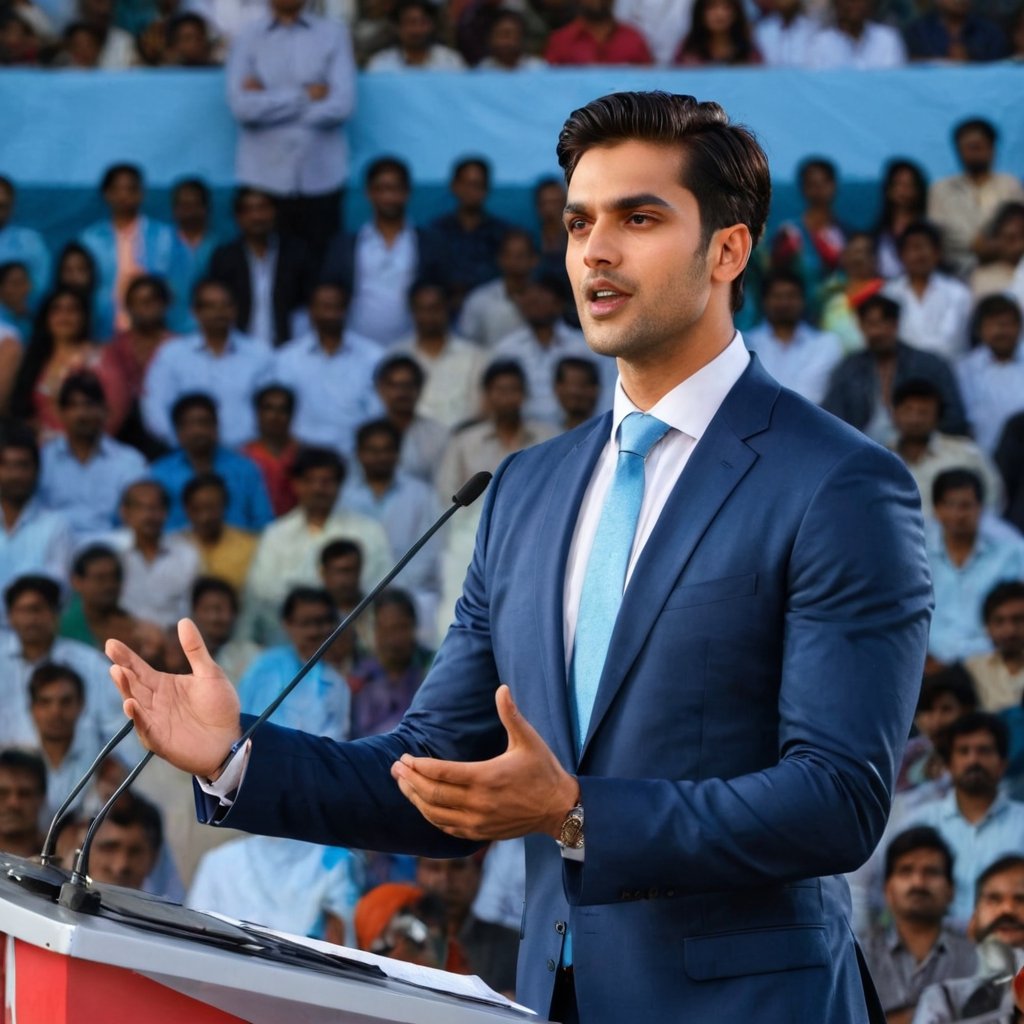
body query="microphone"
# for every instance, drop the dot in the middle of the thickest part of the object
(75, 894)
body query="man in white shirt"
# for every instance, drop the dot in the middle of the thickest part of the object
(785, 36)
(416, 27)
(935, 308)
(854, 41)
(491, 311)
(794, 353)
(991, 376)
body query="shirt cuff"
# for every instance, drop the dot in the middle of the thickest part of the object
(226, 788)
(568, 853)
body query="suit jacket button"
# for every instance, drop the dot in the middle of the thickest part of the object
(560, 927)
(551, 965)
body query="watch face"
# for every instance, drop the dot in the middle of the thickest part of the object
(572, 832)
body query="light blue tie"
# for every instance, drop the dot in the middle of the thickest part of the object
(605, 578)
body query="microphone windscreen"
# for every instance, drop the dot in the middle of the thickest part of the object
(471, 489)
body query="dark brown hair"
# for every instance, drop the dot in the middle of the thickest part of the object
(724, 167)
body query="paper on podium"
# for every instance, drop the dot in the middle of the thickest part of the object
(467, 986)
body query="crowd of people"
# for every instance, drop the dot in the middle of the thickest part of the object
(250, 430)
(520, 35)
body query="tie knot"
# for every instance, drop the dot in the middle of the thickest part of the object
(639, 433)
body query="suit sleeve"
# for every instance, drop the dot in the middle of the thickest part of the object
(342, 794)
(856, 626)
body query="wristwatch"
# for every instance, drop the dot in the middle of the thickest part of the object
(570, 837)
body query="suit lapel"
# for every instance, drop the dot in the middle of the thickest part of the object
(566, 487)
(720, 460)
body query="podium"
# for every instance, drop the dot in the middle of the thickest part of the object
(148, 960)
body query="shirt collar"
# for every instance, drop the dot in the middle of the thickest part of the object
(691, 405)
(301, 21)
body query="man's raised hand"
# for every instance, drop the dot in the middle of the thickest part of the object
(189, 720)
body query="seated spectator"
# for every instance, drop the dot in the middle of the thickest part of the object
(373, 29)
(118, 49)
(450, 364)
(56, 702)
(540, 345)
(952, 32)
(964, 205)
(946, 694)
(84, 472)
(549, 197)
(125, 360)
(19, 244)
(469, 237)
(797, 355)
(506, 40)
(341, 568)
(1008, 253)
(274, 448)
(128, 847)
(861, 388)
(917, 949)
(402, 922)
(812, 246)
(81, 47)
(15, 306)
(76, 269)
(22, 797)
(977, 822)
(267, 273)
(59, 347)
(384, 257)
(577, 390)
(287, 555)
(491, 311)
(190, 213)
(1009, 457)
(33, 606)
(95, 613)
(230, 366)
(904, 200)
(935, 309)
(596, 37)
(320, 704)
(21, 28)
(127, 244)
(999, 674)
(404, 506)
(330, 372)
(966, 563)
(188, 42)
(991, 376)
(416, 47)
(32, 538)
(282, 884)
(159, 568)
(227, 18)
(384, 684)
(225, 551)
(999, 914)
(719, 36)
(927, 452)
(785, 36)
(399, 380)
(856, 41)
(455, 882)
(200, 453)
(215, 613)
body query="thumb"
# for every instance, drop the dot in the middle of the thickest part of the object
(194, 647)
(518, 729)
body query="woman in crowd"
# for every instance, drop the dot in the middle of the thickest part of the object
(856, 279)
(904, 201)
(720, 36)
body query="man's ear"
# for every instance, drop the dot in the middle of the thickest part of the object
(729, 252)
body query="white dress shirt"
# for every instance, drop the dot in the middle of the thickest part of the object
(993, 391)
(382, 273)
(937, 321)
(786, 46)
(688, 409)
(879, 46)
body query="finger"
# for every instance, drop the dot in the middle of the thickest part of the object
(519, 730)
(192, 643)
(431, 792)
(445, 818)
(128, 683)
(121, 654)
(457, 773)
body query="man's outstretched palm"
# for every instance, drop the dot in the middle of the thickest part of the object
(189, 720)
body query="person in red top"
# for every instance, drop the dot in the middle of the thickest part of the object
(595, 37)
(274, 448)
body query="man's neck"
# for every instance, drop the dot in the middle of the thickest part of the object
(209, 537)
(979, 178)
(508, 429)
(544, 333)
(381, 486)
(919, 283)
(972, 806)
(84, 448)
(192, 234)
(855, 29)
(36, 652)
(415, 56)
(217, 342)
(259, 245)
(55, 750)
(394, 668)
(1013, 662)
(315, 519)
(432, 344)
(330, 343)
(403, 421)
(11, 510)
(960, 549)
(389, 227)
(571, 422)
(912, 449)
(149, 548)
(918, 936)
(124, 220)
(275, 445)
(784, 332)
(201, 462)
(600, 28)
(469, 219)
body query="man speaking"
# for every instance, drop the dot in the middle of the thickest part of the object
(708, 608)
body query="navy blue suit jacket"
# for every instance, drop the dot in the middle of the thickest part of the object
(747, 729)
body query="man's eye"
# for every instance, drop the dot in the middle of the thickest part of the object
(639, 218)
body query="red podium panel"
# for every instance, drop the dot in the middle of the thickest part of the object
(48, 988)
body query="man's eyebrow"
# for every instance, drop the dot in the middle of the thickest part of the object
(624, 203)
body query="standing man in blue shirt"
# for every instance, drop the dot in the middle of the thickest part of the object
(291, 86)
